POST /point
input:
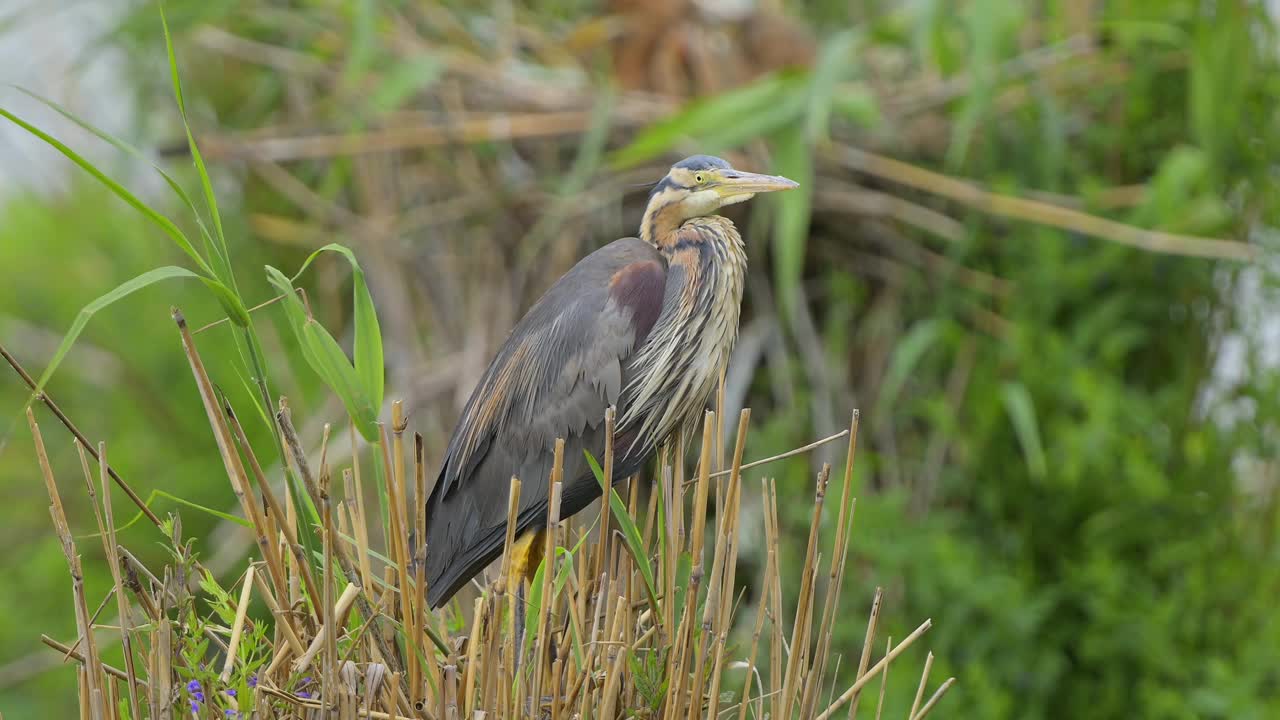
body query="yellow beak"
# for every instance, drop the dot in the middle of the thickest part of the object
(733, 183)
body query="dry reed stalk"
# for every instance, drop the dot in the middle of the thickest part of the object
(924, 681)
(770, 571)
(872, 620)
(884, 680)
(93, 674)
(362, 525)
(1042, 213)
(835, 577)
(933, 699)
(237, 628)
(803, 622)
(777, 646)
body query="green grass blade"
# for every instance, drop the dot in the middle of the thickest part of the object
(905, 357)
(115, 142)
(326, 358)
(220, 253)
(534, 603)
(1022, 412)
(122, 290)
(406, 79)
(725, 120)
(367, 347)
(794, 159)
(631, 536)
(119, 190)
(833, 61)
(174, 498)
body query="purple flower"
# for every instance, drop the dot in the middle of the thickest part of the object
(233, 714)
(253, 680)
(231, 692)
(195, 707)
(303, 694)
(193, 686)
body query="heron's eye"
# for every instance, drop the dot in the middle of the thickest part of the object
(699, 178)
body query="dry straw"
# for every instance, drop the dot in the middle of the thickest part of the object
(629, 616)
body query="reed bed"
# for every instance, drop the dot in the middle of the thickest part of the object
(629, 615)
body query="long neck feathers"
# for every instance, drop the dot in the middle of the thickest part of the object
(678, 366)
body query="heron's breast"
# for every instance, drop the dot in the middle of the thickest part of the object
(678, 367)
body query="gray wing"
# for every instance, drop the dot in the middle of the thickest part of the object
(562, 366)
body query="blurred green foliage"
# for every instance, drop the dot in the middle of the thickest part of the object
(1051, 473)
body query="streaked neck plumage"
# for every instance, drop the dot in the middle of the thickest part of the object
(680, 362)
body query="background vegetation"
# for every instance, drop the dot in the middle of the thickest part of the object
(1070, 425)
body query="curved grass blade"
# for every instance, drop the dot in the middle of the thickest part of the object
(794, 159)
(1022, 412)
(833, 61)
(327, 359)
(725, 120)
(905, 357)
(120, 145)
(161, 494)
(367, 347)
(149, 212)
(122, 290)
(220, 245)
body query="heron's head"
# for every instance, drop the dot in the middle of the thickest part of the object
(700, 185)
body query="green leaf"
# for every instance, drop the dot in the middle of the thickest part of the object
(533, 604)
(169, 496)
(793, 159)
(115, 142)
(122, 290)
(325, 357)
(833, 61)
(722, 121)
(367, 349)
(119, 190)
(405, 79)
(220, 253)
(684, 568)
(631, 536)
(1022, 412)
(905, 357)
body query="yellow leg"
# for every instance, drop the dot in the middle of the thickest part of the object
(526, 553)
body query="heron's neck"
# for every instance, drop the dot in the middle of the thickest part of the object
(678, 366)
(661, 223)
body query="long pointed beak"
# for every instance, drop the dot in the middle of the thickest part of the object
(736, 182)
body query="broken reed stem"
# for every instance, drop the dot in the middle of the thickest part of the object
(776, 646)
(804, 620)
(227, 449)
(835, 576)
(602, 552)
(933, 699)
(548, 572)
(113, 561)
(770, 570)
(924, 681)
(872, 621)
(237, 627)
(93, 674)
